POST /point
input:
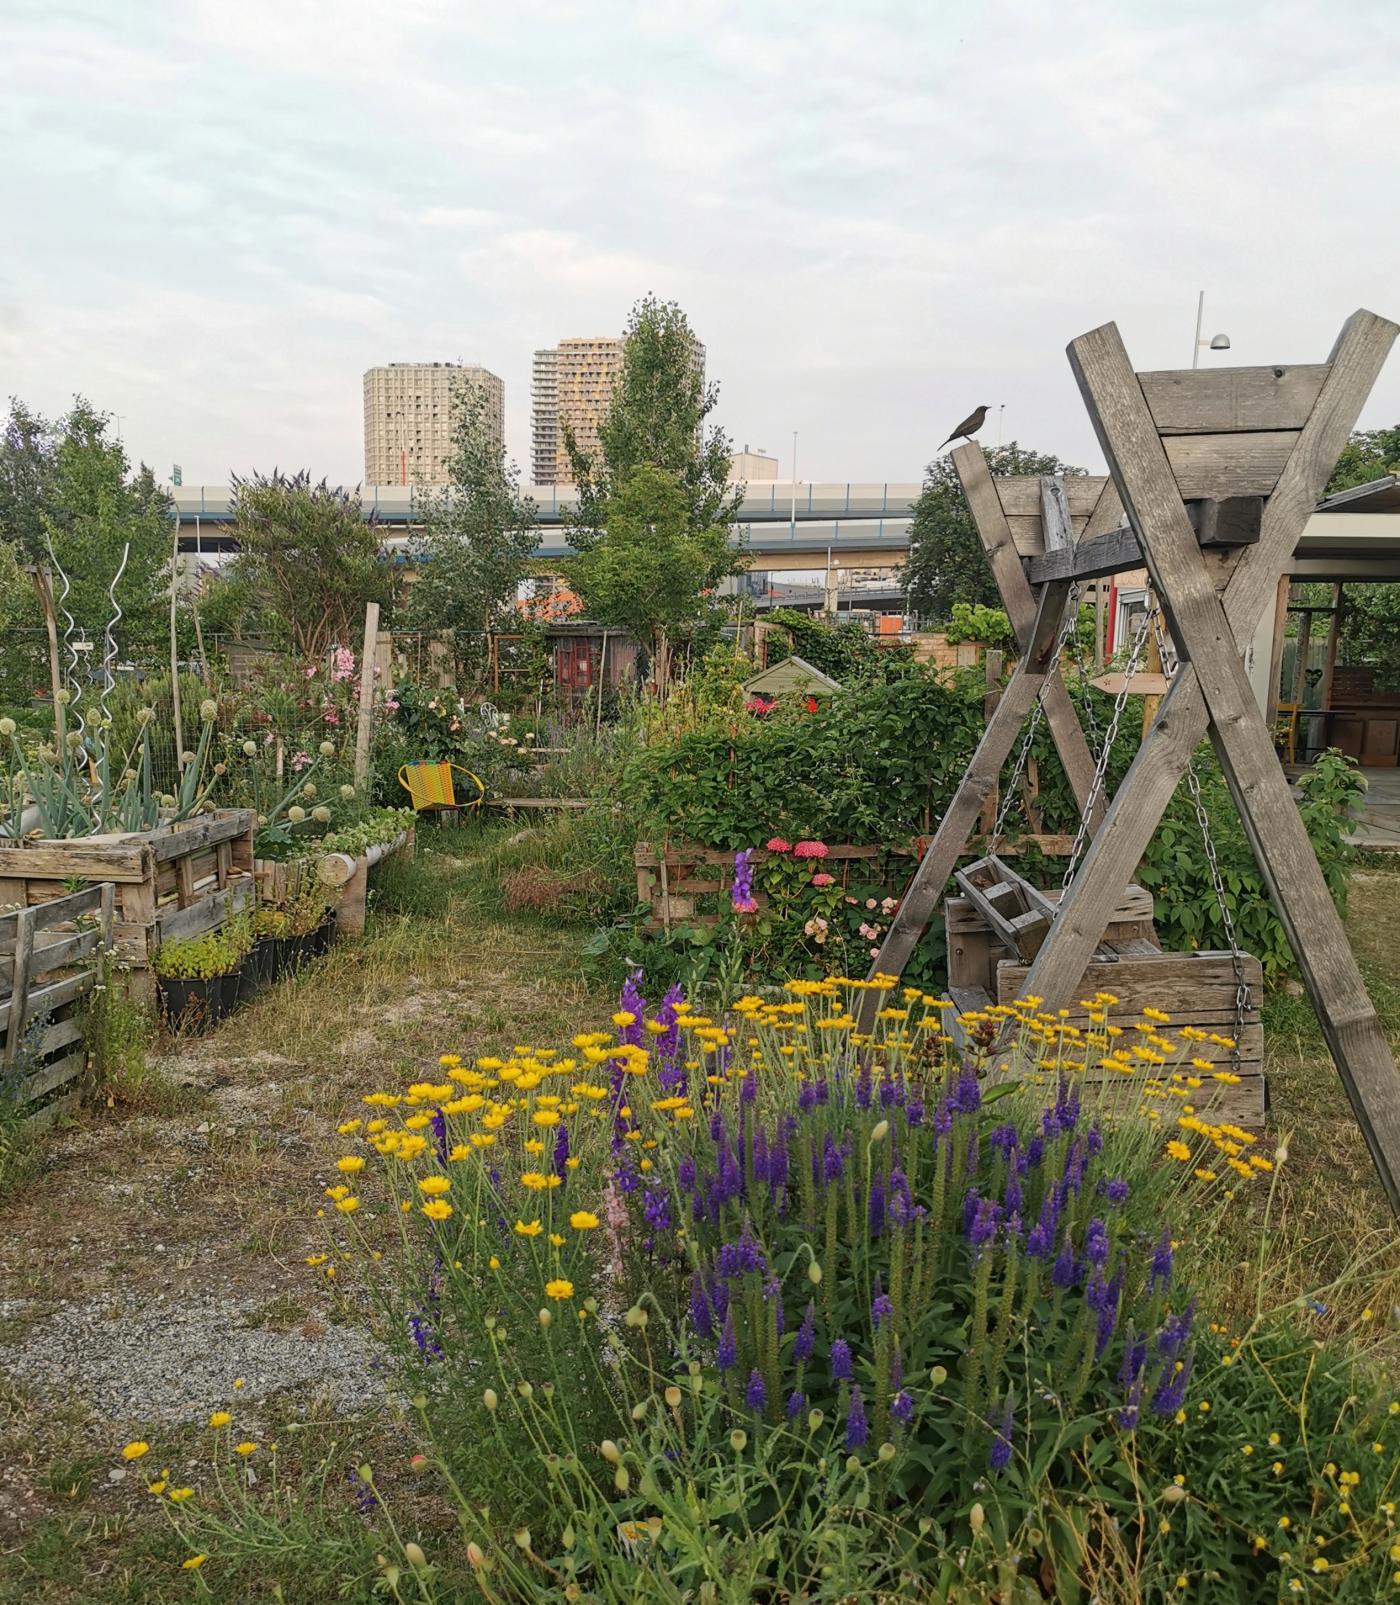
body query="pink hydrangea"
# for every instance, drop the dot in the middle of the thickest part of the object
(776, 844)
(809, 849)
(823, 879)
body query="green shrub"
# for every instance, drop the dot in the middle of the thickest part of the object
(198, 958)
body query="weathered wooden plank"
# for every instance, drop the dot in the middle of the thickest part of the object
(1113, 553)
(60, 951)
(1272, 823)
(1019, 494)
(56, 911)
(1216, 466)
(36, 1083)
(1205, 401)
(51, 995)
(208, 914)
(91, 857)
(1056, 530)
(1134, 905)
(52, 1112)
(1141, 685)
(19, 986)
(59, 1035)
(224, 826)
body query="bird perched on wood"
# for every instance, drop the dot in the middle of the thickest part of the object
(968, 427)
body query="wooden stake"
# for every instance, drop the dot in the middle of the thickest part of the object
(174, 651)
(365, 722)
(45, 592)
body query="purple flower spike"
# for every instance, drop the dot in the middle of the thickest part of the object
(841, 1370)
(756, 1394)
(1096, 1243)
(1000, 1457)
(741, 893)
(700, 1317)
(903, 1407)
(727, 1356)
(1065, 1271)
(1116, 1190)
(439, 1127)
(882, 1306)
(857, 1431)
(1161, 1268)
(797, 1403)
(806, 1335)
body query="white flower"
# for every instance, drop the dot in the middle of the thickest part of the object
(7, 727)
(208, 709)
(347, 792)
(321, 815)
(250, 749)
(327, 749)
(295, 814)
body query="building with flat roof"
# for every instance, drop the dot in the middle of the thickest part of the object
(749, 465)
(409, 414)
(544, 416)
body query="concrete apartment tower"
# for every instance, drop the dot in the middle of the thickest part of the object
(544, 416)
(409, 413)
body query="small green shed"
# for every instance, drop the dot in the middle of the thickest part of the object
(791, 676)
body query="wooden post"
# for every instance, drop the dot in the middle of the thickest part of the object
(1276, 653)
(1334, 630)
(174, 651)
(991, 665)
(45, 593)
(1099, 615)
(1152, 664)
(364, 724)
(19, 983)
(1300, 659)
(602, 680)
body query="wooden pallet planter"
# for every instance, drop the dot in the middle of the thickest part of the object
(350, 873)
(48, 966)
(281, 880)
(173, 882)
(671, 880)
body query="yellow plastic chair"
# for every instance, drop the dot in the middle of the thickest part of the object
(429, 786)
(1286, 729)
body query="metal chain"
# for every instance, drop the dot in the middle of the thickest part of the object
(1037, 714)
(1105, 753)
(1217, 881)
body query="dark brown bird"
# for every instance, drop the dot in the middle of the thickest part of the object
(968, 427)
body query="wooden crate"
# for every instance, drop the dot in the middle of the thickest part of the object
(175, 881)
(671, 880)
(279, 880)
(1195, 989)
(49, 955)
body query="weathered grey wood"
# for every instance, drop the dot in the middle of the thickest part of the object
(93, 858)
(1005, 926)
(1141, 684)
(222, 827)
(1057, 532)
(1019, 494)
(1235, 521)
(72, 906)
(51, 995)
(60, 1034)
(1207, 634)
(1112, 553)
(1208, 401)
(52, 1113)
(916, 909)
(208, 914)
(46, 1077)
(1216, 466)
(970, 464)
(19, 985)
(1133, 816)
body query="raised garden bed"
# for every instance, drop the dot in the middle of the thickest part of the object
(175, 881)
(350, 872)
(48, 966)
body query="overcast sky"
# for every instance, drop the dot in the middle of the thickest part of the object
(218, 213)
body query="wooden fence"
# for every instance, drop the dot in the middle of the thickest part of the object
(48, 966)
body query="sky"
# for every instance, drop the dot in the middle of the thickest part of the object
(218, 213)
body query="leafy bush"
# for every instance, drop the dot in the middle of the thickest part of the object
(198, 958)
(740, 1309)
(847, 652)
(971, 621)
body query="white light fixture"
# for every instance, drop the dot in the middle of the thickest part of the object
(1217, 342)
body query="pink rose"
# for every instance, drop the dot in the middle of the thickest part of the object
(776, 844)
(871, 903)
(809, 849)
(823, 879)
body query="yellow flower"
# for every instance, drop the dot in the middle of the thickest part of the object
(156, 1487)
(179, 1495)
(559, 1288)
(545, 1117)
(583, 1220)
(134, 1451)
(537, 1181)
(193, 1563)
(1178, 1150)
(435, 1186)
(437, 1209)
(528, 1229)
(350, 1163)
(244, 1448)
(220, 1418)
(483, 1139)
(347, 1206)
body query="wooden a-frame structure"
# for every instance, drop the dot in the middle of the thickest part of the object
(1216, 471)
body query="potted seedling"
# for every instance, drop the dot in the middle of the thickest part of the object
(197, 980)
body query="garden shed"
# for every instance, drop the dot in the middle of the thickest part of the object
(790, 676)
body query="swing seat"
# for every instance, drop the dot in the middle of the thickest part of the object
(430, 788)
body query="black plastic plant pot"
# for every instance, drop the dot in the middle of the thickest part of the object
(192, 1007)
(249, 981)
(321, 938)
(261, 960)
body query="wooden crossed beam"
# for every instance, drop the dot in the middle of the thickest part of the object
(1037, 617)
(1169, 437)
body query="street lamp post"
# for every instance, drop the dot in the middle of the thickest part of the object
(1217, 342)
(792, 509)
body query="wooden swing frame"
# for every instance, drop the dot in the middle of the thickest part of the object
(1216, 472)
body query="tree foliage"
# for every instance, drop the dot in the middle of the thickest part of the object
(66, 485)
(1369, 454)
(309, 558)
(478, 537)
(652, 568)
(946, 563)
(657, 417)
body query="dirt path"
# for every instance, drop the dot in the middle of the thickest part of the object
(160, 1255)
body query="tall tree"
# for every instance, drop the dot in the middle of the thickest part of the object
(478, 537)
(310, 559)
(27, 447)
(946, 563)
(1369, 454)
(652, 570)
(657, 416)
